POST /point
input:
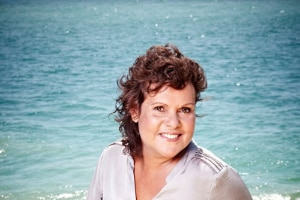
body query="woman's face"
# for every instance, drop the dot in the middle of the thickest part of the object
(166, 121)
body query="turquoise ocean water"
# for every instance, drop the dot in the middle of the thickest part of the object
(59, 61)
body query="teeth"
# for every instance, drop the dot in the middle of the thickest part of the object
(170, 136)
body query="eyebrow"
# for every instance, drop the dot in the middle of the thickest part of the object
(155, 103)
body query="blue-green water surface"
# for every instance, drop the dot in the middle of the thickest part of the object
(59, 61)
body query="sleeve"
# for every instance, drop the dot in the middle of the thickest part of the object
(229, 185)
(95, 191)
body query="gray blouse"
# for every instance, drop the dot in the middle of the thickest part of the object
(199, 175)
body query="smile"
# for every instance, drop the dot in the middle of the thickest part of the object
(170, 136)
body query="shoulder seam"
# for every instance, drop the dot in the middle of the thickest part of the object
(210, 160)
(218, 165)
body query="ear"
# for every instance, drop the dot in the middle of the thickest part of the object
(134, 115)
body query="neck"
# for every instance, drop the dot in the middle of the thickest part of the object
(152, 163)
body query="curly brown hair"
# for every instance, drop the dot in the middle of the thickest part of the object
(161, 65)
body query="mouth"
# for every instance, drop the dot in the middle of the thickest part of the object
(169, 136)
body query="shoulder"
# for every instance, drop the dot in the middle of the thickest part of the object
(113, 151)
(224, 180)
(205, 159)
(114, 147)
(113, 157)
(112, 169)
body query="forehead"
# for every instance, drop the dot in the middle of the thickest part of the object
(167, 93)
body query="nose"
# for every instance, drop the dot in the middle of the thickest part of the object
(173, 120)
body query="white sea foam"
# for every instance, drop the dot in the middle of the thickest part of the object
(272, 197)
(76, 195)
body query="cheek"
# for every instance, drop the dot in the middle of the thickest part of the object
(190, 122)
(150, 117)
(149, 126)
(146, 122)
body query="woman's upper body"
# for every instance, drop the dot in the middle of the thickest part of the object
(156, 112)
(197, 175)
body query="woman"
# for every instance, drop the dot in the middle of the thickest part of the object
(157, 158)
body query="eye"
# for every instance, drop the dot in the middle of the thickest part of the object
(159, 108)
(185, 110)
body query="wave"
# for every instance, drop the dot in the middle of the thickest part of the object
(295, 196)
